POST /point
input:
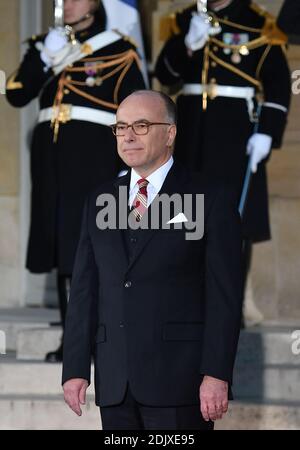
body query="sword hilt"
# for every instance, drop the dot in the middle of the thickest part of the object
(59, 14)
(202, 6)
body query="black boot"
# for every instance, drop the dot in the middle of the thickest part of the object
(56, 356)
(63, 289)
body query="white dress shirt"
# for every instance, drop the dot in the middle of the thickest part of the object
(156, 180)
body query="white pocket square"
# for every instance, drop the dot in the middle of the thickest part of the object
(178, 219)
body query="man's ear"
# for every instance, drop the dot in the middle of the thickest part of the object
(171, 135)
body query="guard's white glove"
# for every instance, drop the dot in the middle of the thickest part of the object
(57, 52)
(199, 31)
(72, 54)
(52, 50)
(258, 147)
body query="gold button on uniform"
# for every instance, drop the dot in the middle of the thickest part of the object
(214, 64)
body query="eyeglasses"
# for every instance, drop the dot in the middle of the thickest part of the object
(139, 128)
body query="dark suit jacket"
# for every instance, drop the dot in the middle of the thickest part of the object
(163, 318)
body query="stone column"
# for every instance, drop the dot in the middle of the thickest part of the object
(9, 162)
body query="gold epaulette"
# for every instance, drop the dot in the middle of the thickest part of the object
(270, 29)
(260, 10)
(273, 34)
(12, 84)
(34, 38)
(131, 41)
(168, 24)
(127, 38)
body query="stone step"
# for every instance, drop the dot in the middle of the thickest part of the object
(31, 378)
(268, 344)
(14, 320)
(31, 398)
(51, 413)
(34, 344)
(276, 383)
(266, 367)
(46, 413)
(255, 416)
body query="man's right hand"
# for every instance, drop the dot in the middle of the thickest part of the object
(201, 27)
(75, 393)
(55, 47)
(198, 32)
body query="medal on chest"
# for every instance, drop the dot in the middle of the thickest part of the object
(93, 73)
(236, 39)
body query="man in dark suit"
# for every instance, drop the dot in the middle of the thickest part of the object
(159, 310)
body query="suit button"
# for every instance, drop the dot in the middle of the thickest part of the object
(127, 284)
(121, 325)
(133, 240)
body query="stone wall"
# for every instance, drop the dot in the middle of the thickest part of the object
(276, 264)
(9, 162)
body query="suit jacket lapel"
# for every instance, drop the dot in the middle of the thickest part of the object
(121, 186)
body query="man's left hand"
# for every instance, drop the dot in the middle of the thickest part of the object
(258, 147)
(213, 398)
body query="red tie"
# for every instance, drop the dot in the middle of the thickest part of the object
(139, 204)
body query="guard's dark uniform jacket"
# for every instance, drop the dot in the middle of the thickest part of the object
(289, 17)
(214, 128)
(71, 155)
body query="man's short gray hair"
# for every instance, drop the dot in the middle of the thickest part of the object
(170, 106)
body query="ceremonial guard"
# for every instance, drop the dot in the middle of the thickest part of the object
(81, 73)
(228, 59)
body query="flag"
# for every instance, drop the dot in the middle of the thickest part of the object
(123, 15)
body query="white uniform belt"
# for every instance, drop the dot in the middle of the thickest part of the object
(216, 90)
(67, 112)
